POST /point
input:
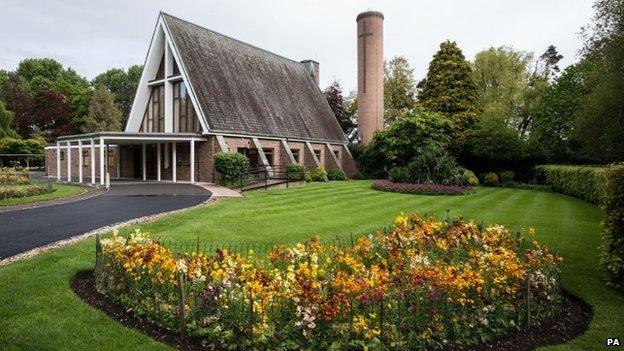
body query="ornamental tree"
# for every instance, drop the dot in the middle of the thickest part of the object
(103, 114)
(449, 87)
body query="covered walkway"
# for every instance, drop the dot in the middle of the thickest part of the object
(135, 156)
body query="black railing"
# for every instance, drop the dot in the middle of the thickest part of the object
(263, 176)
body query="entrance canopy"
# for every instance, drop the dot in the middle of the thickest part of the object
(102, 140)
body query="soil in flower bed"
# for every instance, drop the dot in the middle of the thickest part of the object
(421, 189)
(573, 321)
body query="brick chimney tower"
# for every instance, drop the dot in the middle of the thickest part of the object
(370, 74)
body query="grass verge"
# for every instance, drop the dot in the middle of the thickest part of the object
(39, 311)
(60, 191)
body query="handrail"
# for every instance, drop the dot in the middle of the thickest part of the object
(263, 174)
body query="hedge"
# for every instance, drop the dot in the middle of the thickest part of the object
(613, 237)
(584, 182)
(230, 164)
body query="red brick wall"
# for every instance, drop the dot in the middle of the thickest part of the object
(50, 162)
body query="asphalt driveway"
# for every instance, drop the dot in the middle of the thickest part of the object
(23, 230)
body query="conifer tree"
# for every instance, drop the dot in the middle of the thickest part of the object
(449, 87)
(103, 114)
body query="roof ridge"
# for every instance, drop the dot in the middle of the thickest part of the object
(231, 38)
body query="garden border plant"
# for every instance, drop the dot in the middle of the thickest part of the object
(421, 189)
(371, 288)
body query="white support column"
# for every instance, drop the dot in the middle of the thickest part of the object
(192, 156)
(58, 161)
(158, 165)
(311, 150)
(144, 160)
(289, 153)
(168, 90)
(102, 175)
(118, 158)
(92, 156)
(68, 161)
(174, 163)
(79, 161)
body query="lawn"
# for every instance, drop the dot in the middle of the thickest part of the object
(60, 191)
(39, 311)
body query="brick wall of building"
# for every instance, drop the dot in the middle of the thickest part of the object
(204, 155)
(50, 163)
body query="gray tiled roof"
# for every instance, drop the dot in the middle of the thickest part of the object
(243, 89)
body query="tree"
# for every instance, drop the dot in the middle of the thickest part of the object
(551, 58)
(6, 123)
(103, 114)
(335, 99)
(122, 85)
(19, 100)
(600, 128)
(557, 112)
(492, 145)
(399, 88)
(501, 76)
(400, 141)
(510, 84)
(449, 87)
(51, 114)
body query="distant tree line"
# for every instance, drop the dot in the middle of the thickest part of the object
(42, 100)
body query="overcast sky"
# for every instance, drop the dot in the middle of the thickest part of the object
(93, 36)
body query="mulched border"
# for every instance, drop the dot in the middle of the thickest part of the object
(421, 189)
(573, 321)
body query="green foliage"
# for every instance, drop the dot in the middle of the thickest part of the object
(613, 238)
(584, 182)
(335, 99)
(507, 176)
(296, 172)
(401, 140)
(490, 179)
(434, 165)
(471, 178)
(399, 88)
(319, 175)
(122, 84)
(336, 174)
(449, 87)
(22, 146)
(103, 114)
(599, 128)
(6, 123)
(230, 165)
(24, 190)
(511, 84)
(399, 174)
(557, 112)
(308, 176)
(491, 143)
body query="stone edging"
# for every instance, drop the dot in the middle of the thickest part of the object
(87, 193)
(101, 230)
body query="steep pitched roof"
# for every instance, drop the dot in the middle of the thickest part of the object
(242, 89)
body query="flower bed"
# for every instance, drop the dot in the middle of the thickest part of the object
(426, 284)
(422, 189)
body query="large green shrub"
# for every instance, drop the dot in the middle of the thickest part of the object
(230, 165)
(507, 176)
(296, 172)
(319, 175)
(336, 174)
(613, 237)
(490, 179)
(584, 182)
(434, 165)
(471, 178)
(399, 174)
(400, 141)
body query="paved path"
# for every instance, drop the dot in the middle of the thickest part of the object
(27, 229)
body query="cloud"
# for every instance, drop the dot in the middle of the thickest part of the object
(93, 36)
